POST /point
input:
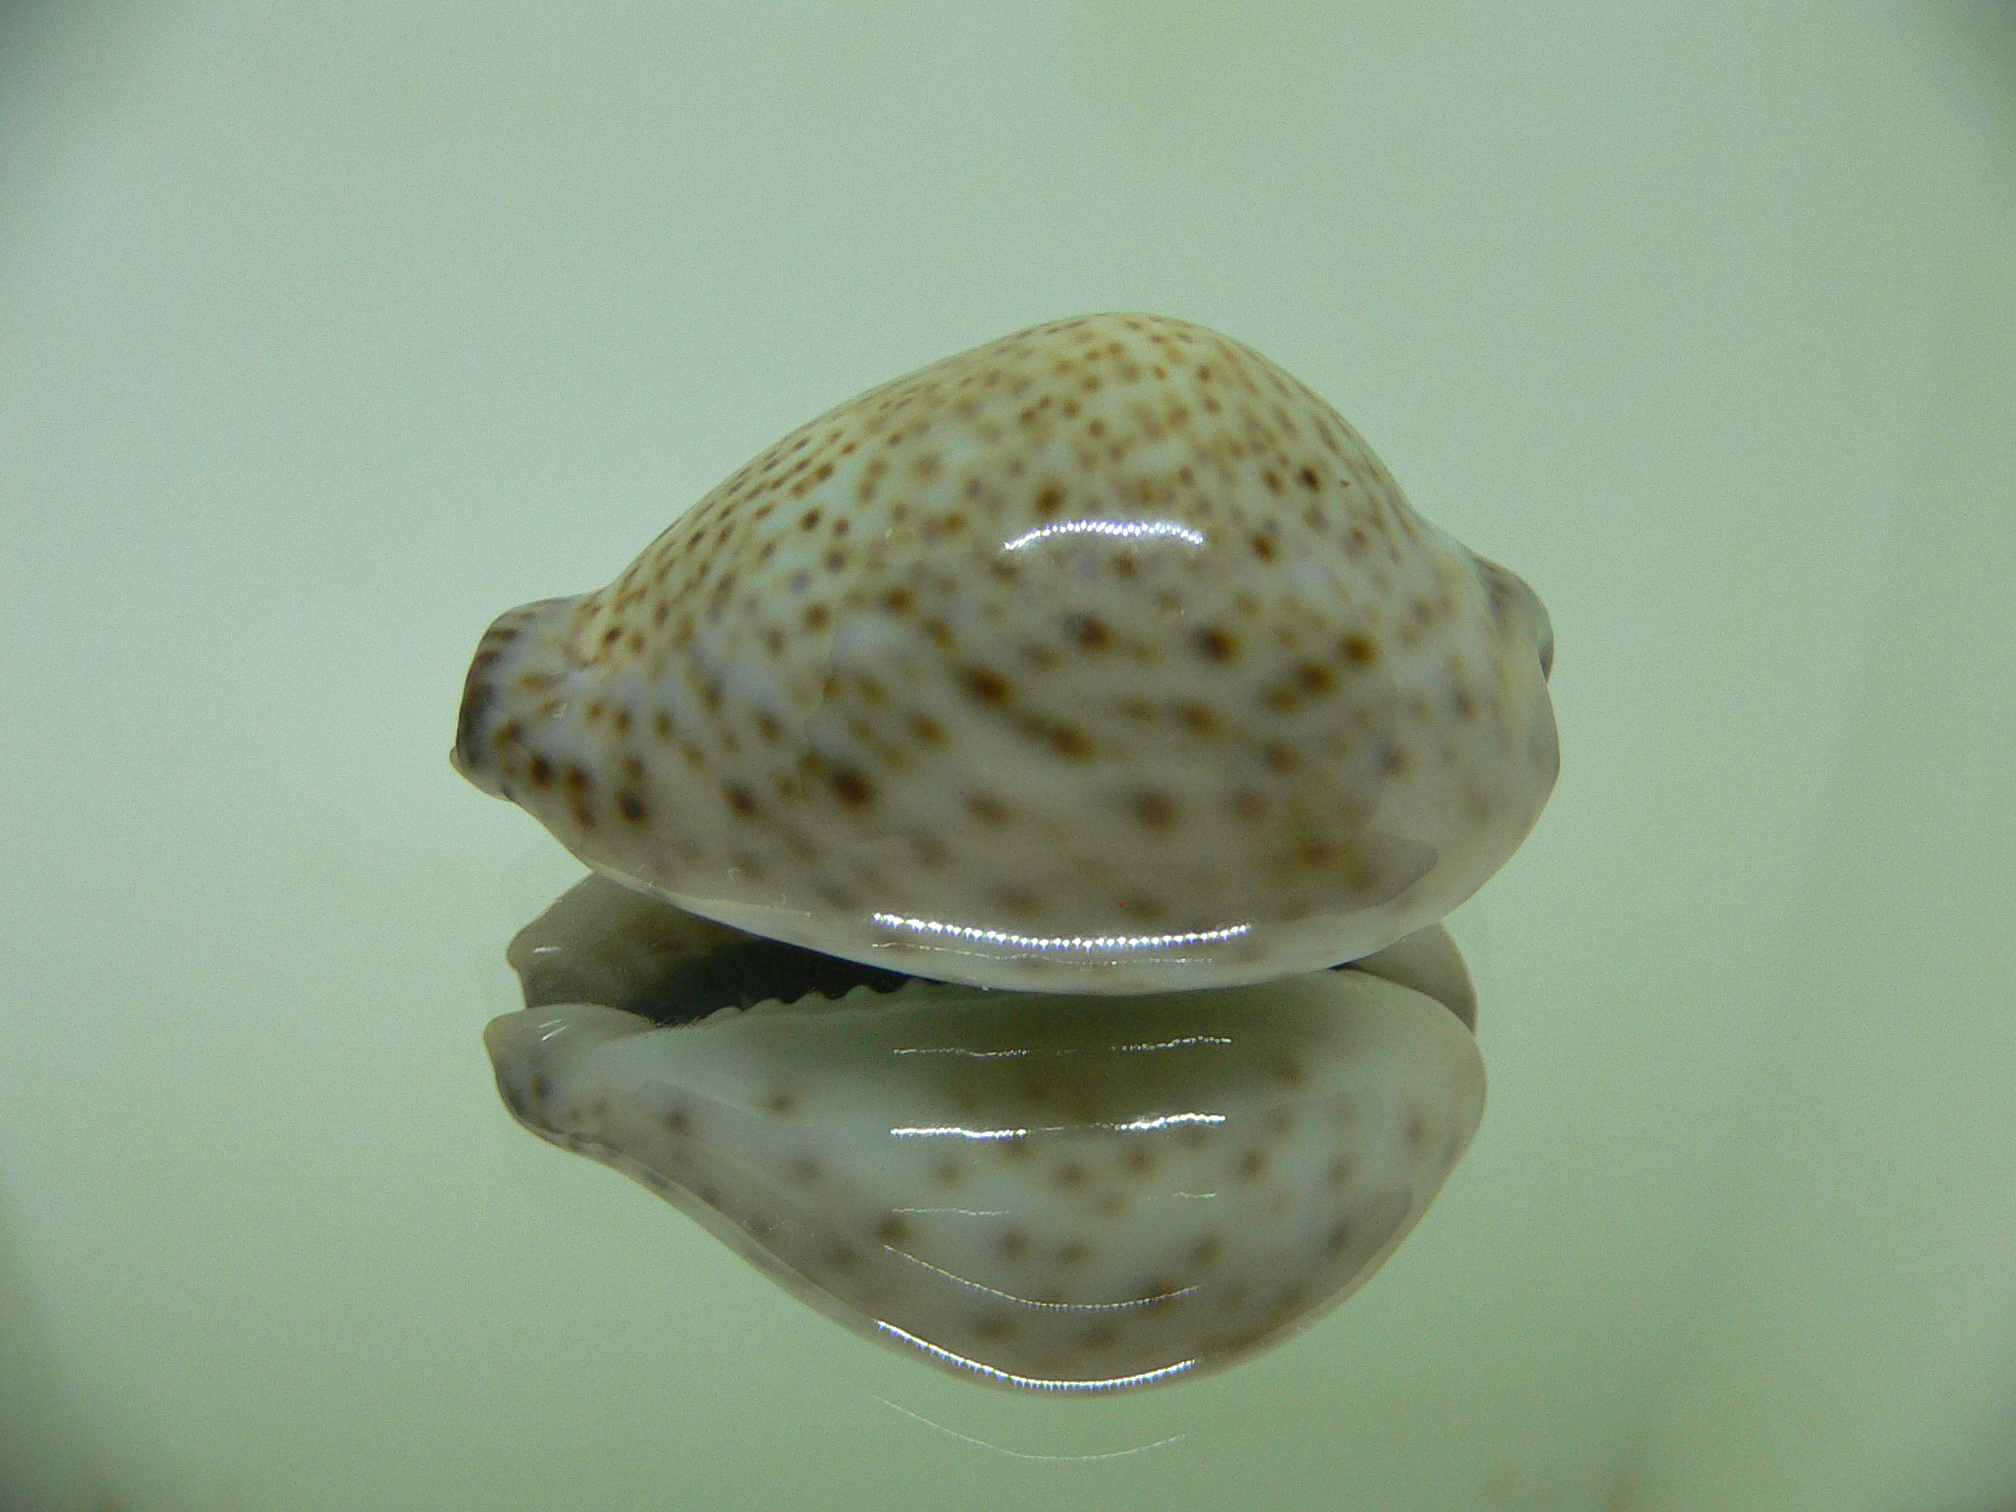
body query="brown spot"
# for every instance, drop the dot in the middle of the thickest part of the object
(987, 809)
(805, 1170)
(1099, 1336)
(1339, 1238)
(851, 787)
(1087, 632)
(630, 806)
(1316, 678)
(740, 799)
(676, 1122)
(1307, 478)
(1070, 1175)
(948, 1172)
(1153, 810)
(816, 616)
(1207, 1250)
(1417, 1130)
(1014, 1244)
(809, 520)
(1252, 1165)
(994, 1328)
(1141, 908)
(1075, 1252)
(1070, 741)
(541, 771)
(1214, 644)
(1359, 650)
(1139, 1160)
(985, 685)
(781, 1102)
(1263, 548)
(893, 1230)
(927, 730)
(1049, 502)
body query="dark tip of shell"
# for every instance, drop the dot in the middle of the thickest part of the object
(479, 695)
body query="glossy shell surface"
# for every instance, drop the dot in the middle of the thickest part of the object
(1102, 658)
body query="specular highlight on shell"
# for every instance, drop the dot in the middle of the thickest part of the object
(1103, 658)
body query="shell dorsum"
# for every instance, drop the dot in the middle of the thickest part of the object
(1102, 658)
(1052, 1191)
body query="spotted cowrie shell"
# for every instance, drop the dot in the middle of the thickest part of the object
(1103, 658)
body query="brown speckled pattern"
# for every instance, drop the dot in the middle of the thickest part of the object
(1047, 1191)
(1105, 657)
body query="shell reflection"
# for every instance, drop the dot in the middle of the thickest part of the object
(1062, 1192)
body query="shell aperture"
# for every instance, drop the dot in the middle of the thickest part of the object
(1053, 1192)
(1104, 658)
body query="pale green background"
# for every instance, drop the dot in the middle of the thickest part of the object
(328, 331)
